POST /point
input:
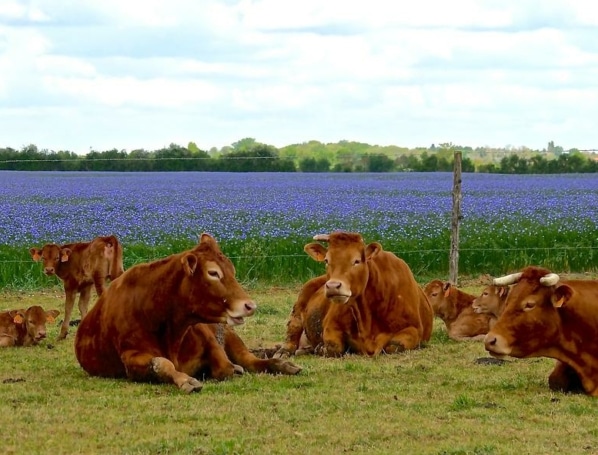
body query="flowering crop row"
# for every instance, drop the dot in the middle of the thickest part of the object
(406, 212)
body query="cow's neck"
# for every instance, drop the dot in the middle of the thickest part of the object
(578, 349)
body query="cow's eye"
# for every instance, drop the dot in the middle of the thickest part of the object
(356, 262)
(485, 294)
(214, 274)
(529, 306)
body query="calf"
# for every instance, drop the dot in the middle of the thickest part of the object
(545, 316)
(149, 324)
(368, 302)
(25, 327)
(454, 307)
(81, 266)
(491, 301)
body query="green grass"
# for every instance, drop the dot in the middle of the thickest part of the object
(281, 261)
(435, 400)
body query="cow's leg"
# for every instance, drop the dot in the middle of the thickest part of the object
(71, 294)
(239, 354)
(333, 344)
(408, 338)
(200, 351)
(99, 281)
(6, 341)
(565, 379)
(294, 332)
(145, 366)
(84, 298)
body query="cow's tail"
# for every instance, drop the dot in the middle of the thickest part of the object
(116, 265)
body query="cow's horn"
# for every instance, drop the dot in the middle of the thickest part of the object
(322, 237)
(550, 280)
(507, 279)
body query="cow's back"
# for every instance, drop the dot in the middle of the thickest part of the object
(397, 299)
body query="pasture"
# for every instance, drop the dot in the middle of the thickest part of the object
(435, 400)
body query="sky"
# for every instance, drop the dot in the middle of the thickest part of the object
(84, 75)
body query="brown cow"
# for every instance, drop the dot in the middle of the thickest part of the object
(146, 325)
(548, 317)
(491, 301)
(25, 327)
(454, 307)
(81, 266)
(367, 303)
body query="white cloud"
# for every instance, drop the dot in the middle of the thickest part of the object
(147, 73)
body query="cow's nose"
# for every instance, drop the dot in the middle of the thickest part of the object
(250, 307)
(49, 270)
(333, 284)
(41, 335)
(490, 340)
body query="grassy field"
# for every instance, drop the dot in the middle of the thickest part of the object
(435, 400)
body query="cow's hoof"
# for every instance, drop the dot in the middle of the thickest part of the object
(394, 347)
(191, 385)
(282, 353)
(284, 367)
(62, 336)
(238, 369)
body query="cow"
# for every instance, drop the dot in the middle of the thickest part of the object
(368, 302)
(454, 307)
(25, 327)
(81, 266)
(491, 301)
(545, 316)
(151, 324)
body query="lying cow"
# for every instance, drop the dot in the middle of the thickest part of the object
(81, 266)
(367, 303)
(150, 324)
(491, 301)
(548, 317)
(454, 307)
(25, 327)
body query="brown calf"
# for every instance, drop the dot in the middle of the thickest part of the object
(454, 307)
(491, 301)
(25, 327)
(81, 266)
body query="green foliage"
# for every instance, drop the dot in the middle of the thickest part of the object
(249, 155)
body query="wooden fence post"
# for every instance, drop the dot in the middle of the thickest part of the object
(456, 217)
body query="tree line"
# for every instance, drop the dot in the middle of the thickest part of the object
(249, 155)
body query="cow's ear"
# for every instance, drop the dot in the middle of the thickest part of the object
(372, 250)
(502, 291)
(64, 254)
(19, 317)
(36, 254)
(316, 251)
(446, 287)
(51, 315)
(562, 294)
(189, 262)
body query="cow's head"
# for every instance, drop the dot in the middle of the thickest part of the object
(34, 320)
(346, 261)
(438, 293)
(51, 255)
(529, 324)
(491, 300)
(214, 293)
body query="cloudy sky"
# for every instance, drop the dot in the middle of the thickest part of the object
(87, 74)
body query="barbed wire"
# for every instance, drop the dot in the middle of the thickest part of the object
(398, 253)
